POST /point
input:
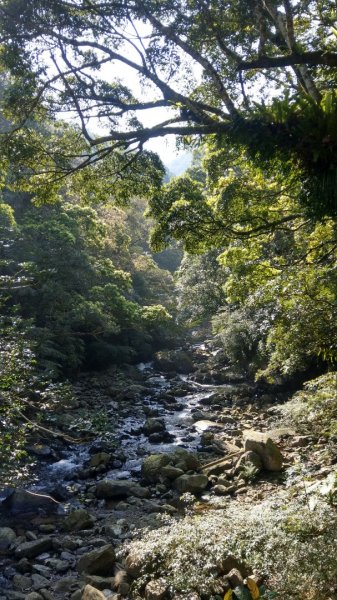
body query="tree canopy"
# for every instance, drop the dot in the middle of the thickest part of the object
(258, 74)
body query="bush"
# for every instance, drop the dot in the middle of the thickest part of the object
(314, 409)
(241, 337)
(294, 546)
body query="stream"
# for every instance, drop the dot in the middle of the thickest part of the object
(180, 414)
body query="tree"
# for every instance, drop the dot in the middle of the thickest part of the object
(200, 282)
(255, 73)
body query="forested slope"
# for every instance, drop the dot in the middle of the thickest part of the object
(227, 434)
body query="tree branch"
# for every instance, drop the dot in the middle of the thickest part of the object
(314, 58)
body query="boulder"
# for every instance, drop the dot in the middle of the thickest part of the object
(34, 548)
(187, 461)
(98, 562)
(78, 520)
(100, 458)
(153, 425)
(7, 537)
(152, 466)
(178, 361)
(108, 489)
(170, 472)
(132, 392)
(23, 502)
(221, 489)
(191, 483)
(21, 582)
(91, 593)
(263, 445)
(218, 467)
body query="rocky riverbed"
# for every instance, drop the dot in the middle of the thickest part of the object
(154, 440)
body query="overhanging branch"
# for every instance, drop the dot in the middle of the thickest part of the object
(305, 58)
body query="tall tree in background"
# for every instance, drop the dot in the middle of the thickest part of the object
(259, 74)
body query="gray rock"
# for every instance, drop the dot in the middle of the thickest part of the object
(170, 472)
(47, 595)
(191, 483)
(21, 582)
(101, 458)
(152, 466)
(60, 566)
(98, 562)
(100, 583)
(39, 581)
(14, 595)
(7, 537)
(187, 461)
(91, 593)
(223, 490)
(177, 361)
(34, 548)
(110, 489)
(23, 502)
(78, 519)
(264, 446)
(153, 425)
(34, 596)
(66, 585)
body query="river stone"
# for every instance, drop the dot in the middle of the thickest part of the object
(191, 483)
(21, 501)
(174, 360)
(187, 461)
(170, 472)
(7, 536)
(21, 582)
(34, 548)
(39, 581)
(153, 425)
(34, 596)
(98, 562)
(91, 593)
(66, 585)
(156, 590)
(264, 446)
(222, 489)
(109, 489)
(101, 458)
(133, 392)
(78, 519)
(152, 466)
(100, 583)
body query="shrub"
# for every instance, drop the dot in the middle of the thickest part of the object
(294, 546)
(314, 409)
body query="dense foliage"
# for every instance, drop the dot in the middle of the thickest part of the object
(258, 75)
(64, 272)
(277, 276)
(292, 545)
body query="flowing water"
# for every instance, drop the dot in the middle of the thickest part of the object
(185, 431)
